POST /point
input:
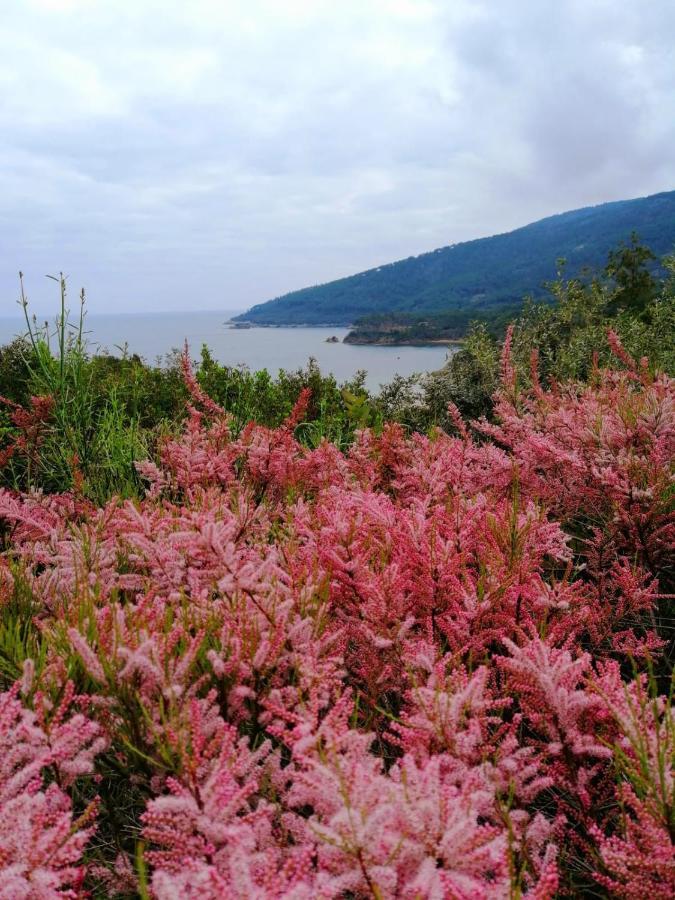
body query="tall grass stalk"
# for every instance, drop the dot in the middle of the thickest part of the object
(91, 435)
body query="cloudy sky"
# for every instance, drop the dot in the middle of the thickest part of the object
(214, 154)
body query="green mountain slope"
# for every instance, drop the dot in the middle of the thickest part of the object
(484, 274)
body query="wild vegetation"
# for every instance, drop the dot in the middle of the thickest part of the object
(260, 640)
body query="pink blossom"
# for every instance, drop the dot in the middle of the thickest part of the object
(405, 670)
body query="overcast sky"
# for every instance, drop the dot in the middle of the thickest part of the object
(215, 154)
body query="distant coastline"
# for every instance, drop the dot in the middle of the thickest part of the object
(356, 335)
(245, 323)
(387, 340)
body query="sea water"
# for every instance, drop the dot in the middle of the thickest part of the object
(153, 335)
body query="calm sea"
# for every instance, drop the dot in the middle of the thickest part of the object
(154, 335)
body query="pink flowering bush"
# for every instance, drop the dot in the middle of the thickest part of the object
(41, 841)
(426, 667)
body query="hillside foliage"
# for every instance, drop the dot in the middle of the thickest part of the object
(483, 276)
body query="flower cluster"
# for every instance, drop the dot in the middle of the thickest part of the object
(29, 424)
(426, 667)
(41, 843)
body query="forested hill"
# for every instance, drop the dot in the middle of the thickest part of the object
(484, 274)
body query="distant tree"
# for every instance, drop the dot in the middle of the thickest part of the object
(629, 268)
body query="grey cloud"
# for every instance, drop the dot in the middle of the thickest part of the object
(218, 154)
